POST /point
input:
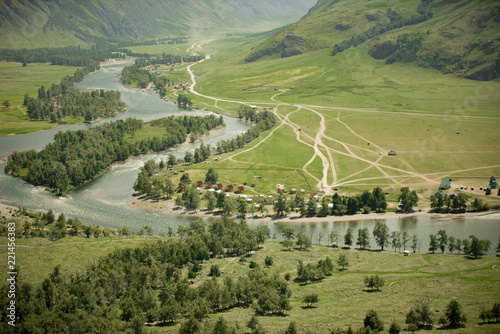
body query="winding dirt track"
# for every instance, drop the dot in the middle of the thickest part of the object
(325, 153)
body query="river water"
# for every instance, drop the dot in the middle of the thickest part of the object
(104, 201)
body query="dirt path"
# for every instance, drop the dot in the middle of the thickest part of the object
(325, 153)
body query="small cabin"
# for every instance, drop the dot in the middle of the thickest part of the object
(199, 184)
(209, 185)
(293, 190)
(229, 188)
(240, 190)
(446, 184)
(487, 191)
(406, 253)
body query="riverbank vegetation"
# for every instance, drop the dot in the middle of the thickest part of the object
(75, 157)
(227, 274)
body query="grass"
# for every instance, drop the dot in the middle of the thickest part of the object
(401, 107)
(15, 82)
(434, 278)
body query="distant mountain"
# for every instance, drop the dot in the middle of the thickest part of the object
(30, 23)
(452, 36)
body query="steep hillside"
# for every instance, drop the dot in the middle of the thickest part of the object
(32, 23)
(452, 36)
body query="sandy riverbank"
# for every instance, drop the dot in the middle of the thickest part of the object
(168, 208)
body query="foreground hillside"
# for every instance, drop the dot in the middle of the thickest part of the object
(344, 300)
(54, 23)
(459, 36)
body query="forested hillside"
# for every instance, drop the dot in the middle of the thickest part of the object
(452, 36)
(59, 23)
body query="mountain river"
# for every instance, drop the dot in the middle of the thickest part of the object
(104, 201)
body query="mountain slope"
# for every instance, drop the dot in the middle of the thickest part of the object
(452, 36)
(31, 23)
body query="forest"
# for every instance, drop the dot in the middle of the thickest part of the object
(75, 157)
(89, 105)
(263, 121)
(121, 291)
(70, 56)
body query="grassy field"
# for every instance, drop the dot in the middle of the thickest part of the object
(15, 82)
(433, 278)
(439, 125)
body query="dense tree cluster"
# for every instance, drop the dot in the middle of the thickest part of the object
(263, 120)
(121, 291)
(407, 47)
(458, 203)
(397, 20)
(473, 247)
(314, 271)
(69, 56)
(134, 74)
(184, 100)
(75, 157)
(165, 59)
(90, 105)
(151, 184)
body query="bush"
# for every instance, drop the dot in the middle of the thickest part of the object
(214, 271)
(269, 261)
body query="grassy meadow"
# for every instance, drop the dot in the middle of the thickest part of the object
(432, 278)
(439, 125)
(15, 82)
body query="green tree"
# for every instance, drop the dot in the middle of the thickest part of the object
(442, 240)
(433, 243)
(348, 237)
(188, 157)
(221, 198)
(172, 160)
(311, 206)
(363, 238)
(303, 241)
(211, 202)
(190, 326)
(414, 242)
(454, 313)
(214, 271)
(374, 282)
(268, 261)
(381, 234)
(291, 329)
(407, 199)
(373, 321)
(310, 299)
(420, 315)
(280, 206)
(288, 233)
(6, 103)
(211, 176)
(333, 238)
(262, 233)
(342, 261)
(229, 206)
(395, 328)
(478, 247)
(242, 206)
(396, 239)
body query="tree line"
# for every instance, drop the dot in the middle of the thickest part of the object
(69, 56)
(75, 157)
(424, 13)
(456, 204)
(263, 121)
(75, 103)
(131, 286)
